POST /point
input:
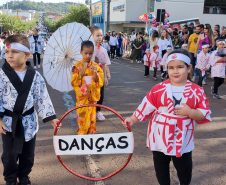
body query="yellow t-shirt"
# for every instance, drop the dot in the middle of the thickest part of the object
(193, 39)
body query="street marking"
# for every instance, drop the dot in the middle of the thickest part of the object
(69, 104)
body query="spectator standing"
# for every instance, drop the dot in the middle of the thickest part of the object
(153, 40)
(176, 40)
(216, 38)
(119, 46)
(137, 44)
(192, 41)
(113, 43)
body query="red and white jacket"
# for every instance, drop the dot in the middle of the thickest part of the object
(156, 58)
(164, 62)
(203, 61)
(167, 132)
(147, 61)
(218, 69)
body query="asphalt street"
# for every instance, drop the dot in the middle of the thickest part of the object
(125, 91)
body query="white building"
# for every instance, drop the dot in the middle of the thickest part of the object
(124, 14)
(19, 13)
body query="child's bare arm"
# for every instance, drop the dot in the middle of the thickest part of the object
(83, 68)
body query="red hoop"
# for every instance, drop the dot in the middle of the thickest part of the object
(81, 176)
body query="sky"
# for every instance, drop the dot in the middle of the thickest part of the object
(52, 1)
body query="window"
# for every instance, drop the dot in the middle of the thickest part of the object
(214, 7)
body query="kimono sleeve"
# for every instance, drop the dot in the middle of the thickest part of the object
(213, 59)
(77, 82)
(45, 106)
(2, 109)
(95, 86)
(146, 108)
(203, 106)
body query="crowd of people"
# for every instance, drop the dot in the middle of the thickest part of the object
(150, 50)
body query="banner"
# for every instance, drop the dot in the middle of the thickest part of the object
(97, 9)
(114, 143)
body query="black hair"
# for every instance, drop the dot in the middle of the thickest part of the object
(190, 31)
(155, 34)
(87, 44)
(204, 43)
(169, 46)
(218, 32)
(185, 52)
(175, 33)
(201, 26)
(155, 46)
(175, 29)
(218, 25)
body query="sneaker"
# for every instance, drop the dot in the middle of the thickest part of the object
(11, 183)
(35, 67)
(131, 62)
(216, 96)
(203, 82)
(117, 57)
(24, 181)
(100, 116)
(145, 76)
(193, 78)
(140, 62)
(212, 90)
(38, 66)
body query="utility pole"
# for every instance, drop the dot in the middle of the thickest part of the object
(91, 14)
(148, 13)
(7, 8)
(108, 15)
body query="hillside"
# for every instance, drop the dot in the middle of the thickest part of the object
(39, 6)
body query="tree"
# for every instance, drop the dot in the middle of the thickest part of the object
(76, 14)
(13, 24)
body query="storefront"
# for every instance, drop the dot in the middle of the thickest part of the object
(123, 15)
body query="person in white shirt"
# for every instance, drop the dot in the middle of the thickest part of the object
(163, 42)
(113, 42)
(106, 46)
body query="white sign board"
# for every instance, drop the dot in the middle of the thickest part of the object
(114, 143)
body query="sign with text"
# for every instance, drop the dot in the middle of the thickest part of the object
(114, 143)
(97, 9)
(120, 8)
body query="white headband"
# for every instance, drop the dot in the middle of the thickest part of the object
(205, 46)
(169, 48)
(18, 46)
(184, 45)
(220, 42)
(179, 56)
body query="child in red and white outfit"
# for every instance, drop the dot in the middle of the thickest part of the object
(174, 107)
(184, 46)
(163, 63)
(155, 60)
(218, 69)
(147, 62)
(203, 62)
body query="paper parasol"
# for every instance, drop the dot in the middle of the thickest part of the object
(221, 52)
(62, 52)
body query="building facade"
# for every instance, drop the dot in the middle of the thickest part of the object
(124, 14)
(98, 12)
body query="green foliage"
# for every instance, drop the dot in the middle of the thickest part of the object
(13, 24)
(39, 6)
(36, 15)
(78, 14)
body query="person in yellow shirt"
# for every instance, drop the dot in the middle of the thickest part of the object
(191, 47)
(87, 79)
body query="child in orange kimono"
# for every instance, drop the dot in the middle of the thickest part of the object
(87, 79)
